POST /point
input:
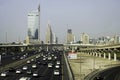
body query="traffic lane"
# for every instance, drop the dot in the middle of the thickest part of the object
(109, 74)
(14, 76)
(7, 59)
(45, 72)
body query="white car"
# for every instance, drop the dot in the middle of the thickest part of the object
(32, 59)
(34, 66)
(55, 57)
(35, 74)
(58, 62)
(56, 72)
(25, 78)
(28, 61)
(4, 73)
(49, 58)
(25, 67)
(50, 65)
(18, 71)
(44, 59)
(57, 66)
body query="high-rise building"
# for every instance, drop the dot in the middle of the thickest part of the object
(55, 41)
(116, 39)
(49, 36)
(34, 26)
(85, 38)
(70, 37)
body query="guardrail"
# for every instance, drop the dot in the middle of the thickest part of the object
(68, 74)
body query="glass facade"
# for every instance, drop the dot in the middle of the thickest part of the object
(33, 25)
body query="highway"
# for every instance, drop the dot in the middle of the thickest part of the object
(43, 70)
(7, 58)
(108, 74)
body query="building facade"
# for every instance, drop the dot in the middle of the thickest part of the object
(49, 35)
(34, 26)
(84, 38)
(70, 36)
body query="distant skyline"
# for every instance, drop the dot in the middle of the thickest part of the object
(95, 17)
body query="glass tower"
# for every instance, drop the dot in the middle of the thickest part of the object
(34, 26)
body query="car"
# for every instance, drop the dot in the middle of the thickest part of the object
(55, 57)
(4, 74)
(44, 63)
(52, 55)
(57, 62)
(29, 71)
(49, 58)
(34, 66)
(50, 65)
(11, 69)
(18, 71)
(57, 66)
(35, 74)
(38, 62)
(25, 78)
(98, 78)
(13, 58)
(56, 72)
(28, 61)
(21, 57)
(32, 59)
(25, 67)
(44, 59)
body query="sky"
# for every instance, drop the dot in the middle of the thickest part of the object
(95, 17)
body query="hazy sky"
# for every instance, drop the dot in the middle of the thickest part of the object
(95, 17)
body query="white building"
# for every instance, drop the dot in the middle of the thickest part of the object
(84, 38)
(116, 39)
(49, 35)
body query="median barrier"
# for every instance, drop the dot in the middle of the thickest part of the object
(69, 74)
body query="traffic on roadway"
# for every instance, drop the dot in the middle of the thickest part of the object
(46, 65)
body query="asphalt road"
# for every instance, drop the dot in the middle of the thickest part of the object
(109, 74)
(44, 72)
(12, 57)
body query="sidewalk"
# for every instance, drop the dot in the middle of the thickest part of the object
(85, 64)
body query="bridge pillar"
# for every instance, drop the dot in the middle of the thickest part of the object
(93, 54)
(109, 56)
(72, 49)
(115, 57)
(100, 55)
(104, 56)
(47, 48)
(96, 54)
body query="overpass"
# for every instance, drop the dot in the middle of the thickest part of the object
(105, 50)
(22, 47)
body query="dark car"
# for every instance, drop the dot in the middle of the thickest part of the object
(11, 69)
(98, 78)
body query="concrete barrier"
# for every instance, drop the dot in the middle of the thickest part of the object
(69, 75)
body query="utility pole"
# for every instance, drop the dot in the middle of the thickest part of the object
(6, 37)
(0, 59)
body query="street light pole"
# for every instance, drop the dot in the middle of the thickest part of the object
(80, 66)
(93, 61)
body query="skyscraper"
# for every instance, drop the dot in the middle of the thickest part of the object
(55, 39)
(116, 39)
(34, 26)
(85, 38)
(49, 36)
(70, 37)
